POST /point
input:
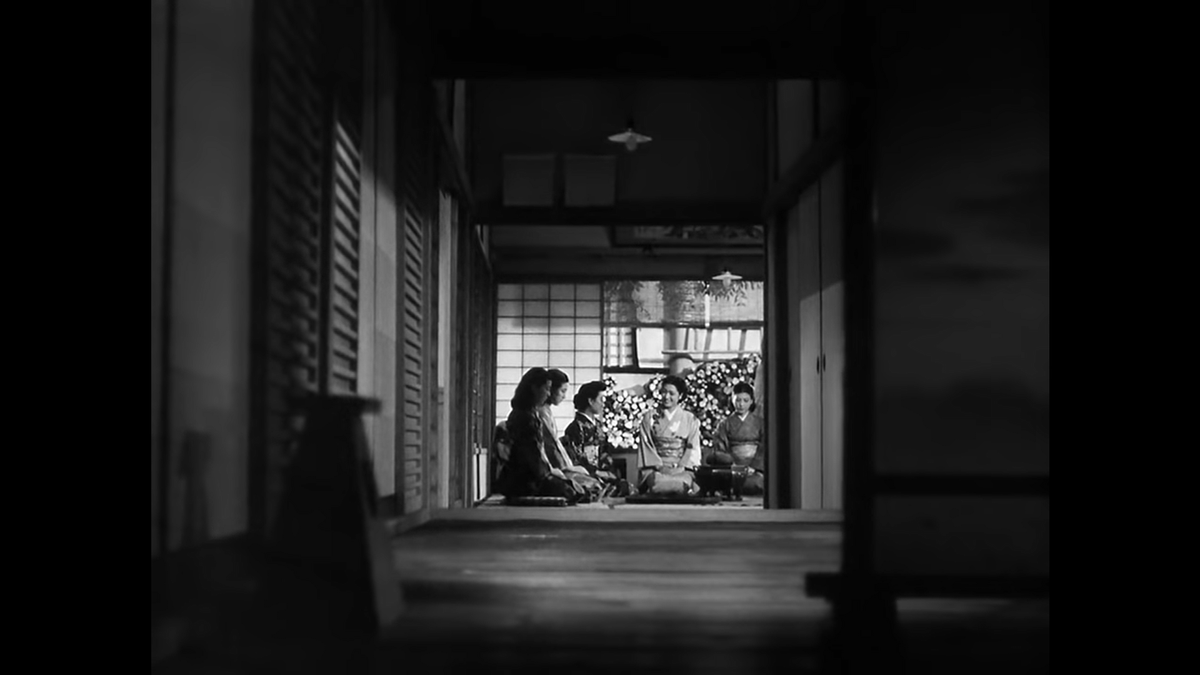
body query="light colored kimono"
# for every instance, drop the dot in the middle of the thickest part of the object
(669, 442)
(555, 451)
(560, 458)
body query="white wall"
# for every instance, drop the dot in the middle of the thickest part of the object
(377, 351)
(159, 36)
(209, 266)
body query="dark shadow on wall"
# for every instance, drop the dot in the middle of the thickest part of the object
(975, 426)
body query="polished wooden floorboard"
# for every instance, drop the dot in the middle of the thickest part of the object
(530, 593)
(665, 597)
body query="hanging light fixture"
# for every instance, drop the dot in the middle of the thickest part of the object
(629, 137)
(726, 277)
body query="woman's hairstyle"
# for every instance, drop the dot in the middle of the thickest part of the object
(557, 379)
(587, 392)
(678, 382)
(523, 398)
(745, 388)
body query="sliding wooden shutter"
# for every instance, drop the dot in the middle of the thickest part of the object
(343, 26)
(343, 326)
(291, 189)
(417, 315)
(413, 376)
(308, 180)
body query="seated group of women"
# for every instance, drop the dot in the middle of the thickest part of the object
(539, 462)
(579, 465)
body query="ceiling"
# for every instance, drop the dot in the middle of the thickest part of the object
(614, 38)
(707, 160)
(593, 252)
(557, 79)
(706, 166)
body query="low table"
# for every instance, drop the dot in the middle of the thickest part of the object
(726, 481)
(628, 459)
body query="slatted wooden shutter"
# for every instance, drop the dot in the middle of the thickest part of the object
(293, 116)
(433, 469)
(343, 24)
(464, 357)
(416, 315)
(346, 180)
(307, 225)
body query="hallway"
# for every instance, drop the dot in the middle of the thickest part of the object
(415, 203)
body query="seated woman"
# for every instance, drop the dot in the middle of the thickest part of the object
(669, 444)
(588, 486)
(586, 442)
(528, 472)
(740, 439)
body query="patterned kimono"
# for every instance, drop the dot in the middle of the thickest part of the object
(669, 443)
(742, 443)
(586, 443)
(588, 446)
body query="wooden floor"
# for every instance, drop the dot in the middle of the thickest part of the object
(652, 592)
(613, 597)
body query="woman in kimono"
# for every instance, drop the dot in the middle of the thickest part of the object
(528, 471)
(586, 442)
(740, 439)
(669, 443)
(589, 487)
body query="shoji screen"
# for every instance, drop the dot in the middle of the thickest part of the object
(551, 326)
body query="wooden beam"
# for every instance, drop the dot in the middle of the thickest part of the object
(484, 251)
(858, 269)
(805, 171)
(962, 485)
(832, 585)
(451, 154)
(605, 268)
(713, 255)
(745, 261)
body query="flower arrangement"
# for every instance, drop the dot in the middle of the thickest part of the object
(623, 411)
(710, 388)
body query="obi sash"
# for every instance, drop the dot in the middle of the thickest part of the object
(670, 448)
(743, 453)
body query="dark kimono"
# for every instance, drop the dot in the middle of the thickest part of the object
(741, 443)
(527, 471)
(586, 443)
(588, 446)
